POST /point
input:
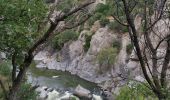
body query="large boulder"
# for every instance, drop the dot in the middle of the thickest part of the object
(82, 92)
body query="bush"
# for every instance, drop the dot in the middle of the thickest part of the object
(88, 40)
(64, 37)
(129, 48)
(26, 92)
(101, 12)
(115, 26)
(102, 8)
(5, 68)
(94, 18)
(106, 59)
(104, 21)
(105, 9)
(116, 44)
(135, 91)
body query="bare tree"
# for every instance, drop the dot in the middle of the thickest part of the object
(155, 36)
(53, 29)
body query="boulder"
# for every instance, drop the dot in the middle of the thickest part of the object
(82, 92)
(42, 91)
(66, 96)
(97, 97)
(53, 95)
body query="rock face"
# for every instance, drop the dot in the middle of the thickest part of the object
(74, 59)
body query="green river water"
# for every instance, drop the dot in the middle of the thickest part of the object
(63, 81)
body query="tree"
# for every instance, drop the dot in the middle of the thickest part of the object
(25, 26)
(154, 12)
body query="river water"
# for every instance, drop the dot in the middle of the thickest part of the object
(58, 80)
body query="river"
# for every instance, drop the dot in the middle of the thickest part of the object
(58, 80)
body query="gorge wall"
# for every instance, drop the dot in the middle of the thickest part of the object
(73, 58)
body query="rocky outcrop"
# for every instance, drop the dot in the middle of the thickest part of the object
(74, 59)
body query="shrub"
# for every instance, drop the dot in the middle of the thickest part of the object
(106, 59)
(116, 44)
(105, 9)
(129, 48)
(102, 8)
(104, 21)
(115, 26)
(65, 5)
(101, 12)
(26, 92)
(5, 68)
(64, 37)
(135, 91)
(94, 18)
(88, 40)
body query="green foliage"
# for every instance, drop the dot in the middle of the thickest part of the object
(26, 92)
(116, 44)
(103, 8)
(64, 37)
(19, 27)
(87, 44)
(5, 68)
(94, 18)
(106, 59)
(129, 48)
(73, 98)
(101, 12)
(115, 26)
(66, 5)
(104, 21)
(135, 91)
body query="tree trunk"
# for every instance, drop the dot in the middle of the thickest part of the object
(12, 94)
(161, 97)
(18, 81)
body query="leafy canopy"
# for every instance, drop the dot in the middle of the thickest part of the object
(19, 24)
(21, 20)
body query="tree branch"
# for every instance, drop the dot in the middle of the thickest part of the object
(159, 13)
(165, 64)
(77, 24)
(118, 20)
(61, 18)
(136, 43)
(157, 46)
(53, 26)
(29, 56)
(153, 51)
(14, 66)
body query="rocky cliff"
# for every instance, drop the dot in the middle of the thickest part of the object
(74, 59)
